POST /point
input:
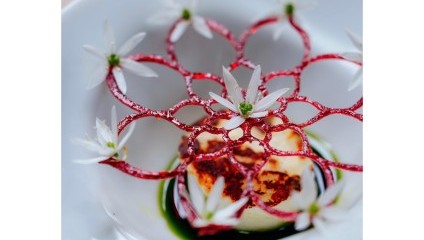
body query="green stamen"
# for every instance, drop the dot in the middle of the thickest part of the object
(186, 15)
(116, 154)
(113, 60)
(245, 108)
(337, 199)
(209, 215)
(110, 144)
(289, 9)
(313, 209)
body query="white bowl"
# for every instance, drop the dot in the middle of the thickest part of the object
(133, 203)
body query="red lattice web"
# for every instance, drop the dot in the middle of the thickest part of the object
(194, 100)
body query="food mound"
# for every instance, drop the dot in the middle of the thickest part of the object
(276, 180)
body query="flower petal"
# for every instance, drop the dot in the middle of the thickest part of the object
(199, 24)
(267, 101)
(179, 206)
(351, 194)
(179, 30)
(331, 193)
(104, 133)
(332, 213)
(89, 145)
(196, 194)
(215, 194)
(199, 223)
(90, 160)
(319, 225)
(98, 75)
(93, 51)
(353, 56)
(138, 68)
(308, 193)
(131, 43)
(120, 79)
(109, 37)
(234, 122)
(226, 221)
(126, 137)
(356, 81)
(278, 30)
(230, 210)
(252, 89)
(258, 114)
(164, 17)
(224, 102)
(302, 221)
(114, 124)
(232, 87)
(355, 40)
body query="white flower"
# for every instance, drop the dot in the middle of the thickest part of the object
(250, 106)
(186, 11)
(207, 207)
(285, 9)
(114, 59)
(315, 210)
(106, 145)
(356, 57)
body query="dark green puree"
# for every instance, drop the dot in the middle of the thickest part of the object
(181, 228)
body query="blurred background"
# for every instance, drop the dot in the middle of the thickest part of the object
(65, 2)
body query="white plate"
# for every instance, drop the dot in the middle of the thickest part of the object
(84, 188)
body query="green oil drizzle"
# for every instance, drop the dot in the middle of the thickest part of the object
(166, 207)
(180, 228)
(326, 146)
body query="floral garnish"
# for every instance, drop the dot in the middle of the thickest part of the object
(315, 210)
(207, 207)
(106, 145)
(185, 10)
(286, 9)
(114, 60)
(355, 57)
(249, 107)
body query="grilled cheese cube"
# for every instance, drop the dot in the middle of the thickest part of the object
(274, 183)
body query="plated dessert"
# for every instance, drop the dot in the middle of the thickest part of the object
(245, 169)
(276, 180)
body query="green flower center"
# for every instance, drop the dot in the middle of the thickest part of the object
(313, 209)
(110, 145)
(113, 60)
(186, 15)
(245, 108)
(289, 9)
(209, 215)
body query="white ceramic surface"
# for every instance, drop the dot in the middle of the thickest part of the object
(133, 202)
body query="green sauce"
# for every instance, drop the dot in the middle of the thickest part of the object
(182, 230)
